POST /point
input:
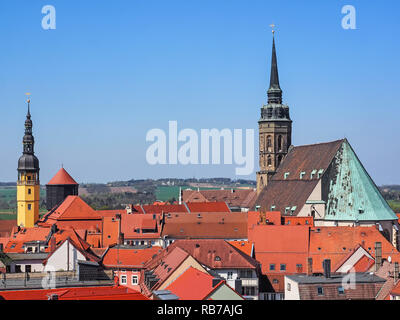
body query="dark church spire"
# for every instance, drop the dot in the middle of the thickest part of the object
(28, 161)
(274, 91)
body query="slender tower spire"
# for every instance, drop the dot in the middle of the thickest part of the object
(28, 186)
(275, 127)
(274, 91)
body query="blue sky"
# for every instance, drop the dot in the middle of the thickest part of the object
(112, 70)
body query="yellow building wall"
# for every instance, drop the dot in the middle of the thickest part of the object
(28, 196)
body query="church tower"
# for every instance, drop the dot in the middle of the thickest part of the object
(275, 128)
(28, 186)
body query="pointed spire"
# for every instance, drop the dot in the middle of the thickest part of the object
(274, 91)
(28, 115)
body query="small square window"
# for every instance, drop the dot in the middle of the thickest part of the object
(283, 267)
(123, 279)
(29, 206)
(340, 290)
(272, 267)
(134, 280)
(320, 291)
(29, 191)
(289, 287)
(230, 275)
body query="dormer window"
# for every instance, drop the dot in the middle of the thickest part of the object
(320, 172)
(285, 175)
(313, 173)
(302, 174)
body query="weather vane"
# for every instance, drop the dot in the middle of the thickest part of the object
(272, 26)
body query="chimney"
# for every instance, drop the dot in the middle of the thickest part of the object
(121, 238)
(326, 264)
(309, 266)
(378, 255)
(180, 195)
(196, 251)
(52, 244)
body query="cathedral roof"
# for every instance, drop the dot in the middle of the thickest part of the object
(347, 190)
(62, 177)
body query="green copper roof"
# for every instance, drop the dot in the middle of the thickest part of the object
(352, 193)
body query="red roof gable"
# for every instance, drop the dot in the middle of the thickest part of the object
(73, 208)
(62, 177)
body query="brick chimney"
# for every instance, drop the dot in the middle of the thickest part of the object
(378, 255)
(52, 243)
(309, 266)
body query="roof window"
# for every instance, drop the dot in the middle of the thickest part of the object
(320, 172)
(313, 173)
(285, 175)
(302, 174)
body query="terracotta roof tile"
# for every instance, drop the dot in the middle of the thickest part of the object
(216, 254)
(203, 283)
(206, 226)
(62, 177)
(128, 257)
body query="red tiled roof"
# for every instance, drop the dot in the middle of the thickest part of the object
(202, 282)
(200, 207)
(216, 254)
(17, 240)
(160, 208)
(233, 197)
(335, 243)
(245, 246)
(62, 177)
(169, 263)
(280, 245)
(206, 225)
(79, 293)
(128, 257)
(6, 227)
(73, 208)
(132, 222)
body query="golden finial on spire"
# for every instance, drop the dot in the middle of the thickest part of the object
(272, 26)
(28, 94)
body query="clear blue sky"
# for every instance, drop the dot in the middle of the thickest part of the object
(112, 70)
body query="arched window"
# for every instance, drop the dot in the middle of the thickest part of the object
(279, 142)
(269, 143)
(269, 161)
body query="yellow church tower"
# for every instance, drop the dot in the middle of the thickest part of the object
(28, 186)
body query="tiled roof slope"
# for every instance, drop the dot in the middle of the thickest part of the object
(128, 257)
(306, 159)
(62, 177)
(335, 243)
(73, 208)
(206, 226)
(203, 283)
(233, 197)
(206, 251)
(282, 194)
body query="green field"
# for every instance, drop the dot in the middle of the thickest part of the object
(395, 205)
